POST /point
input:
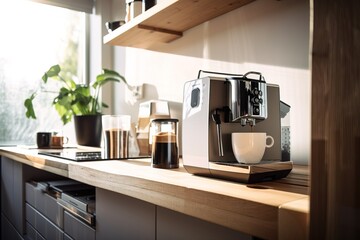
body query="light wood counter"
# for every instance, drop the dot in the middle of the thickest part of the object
(32, 158)
(252, 209)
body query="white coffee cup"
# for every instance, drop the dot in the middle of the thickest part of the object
(249, 147)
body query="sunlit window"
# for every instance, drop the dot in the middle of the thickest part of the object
(34, 37)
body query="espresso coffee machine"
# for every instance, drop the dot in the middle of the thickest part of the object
(215, 107)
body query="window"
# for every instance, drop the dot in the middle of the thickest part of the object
(33, 38)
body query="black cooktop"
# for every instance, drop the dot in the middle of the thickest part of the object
(85, 156)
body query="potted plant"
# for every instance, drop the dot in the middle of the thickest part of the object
(78, 101)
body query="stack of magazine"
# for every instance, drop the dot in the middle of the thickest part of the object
(77, 198)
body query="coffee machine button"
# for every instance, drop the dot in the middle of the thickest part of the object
(255, 100)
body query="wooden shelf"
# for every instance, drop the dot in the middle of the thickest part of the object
(167, 21)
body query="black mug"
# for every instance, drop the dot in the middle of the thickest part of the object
(43, 139)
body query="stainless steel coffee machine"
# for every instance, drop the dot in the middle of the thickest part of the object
(215, 107)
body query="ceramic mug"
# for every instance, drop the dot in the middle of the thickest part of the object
(43, 139)
(249, 147)
(58, 141)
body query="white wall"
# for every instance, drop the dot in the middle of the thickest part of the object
(267, 36)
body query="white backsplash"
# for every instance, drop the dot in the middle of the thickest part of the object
(267, 36)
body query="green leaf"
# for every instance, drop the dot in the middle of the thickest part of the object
(30, 113)
(45, 78)
(64, 111)
(82, 90)
(52, 72)
(106, 76)
(104, 105)
(71, 83)
(64, 91)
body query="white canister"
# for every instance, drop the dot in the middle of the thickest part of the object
(133, 9)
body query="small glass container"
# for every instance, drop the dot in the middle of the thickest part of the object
(116, 130)
(165, 153)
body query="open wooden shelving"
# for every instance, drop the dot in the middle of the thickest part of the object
(167, 21)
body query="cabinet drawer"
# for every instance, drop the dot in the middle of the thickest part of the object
(67, 237)
(77, 229)
(44, 203)
(42, 225)
(31, 233)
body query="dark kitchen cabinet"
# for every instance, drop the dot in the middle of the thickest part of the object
(76, 229)
(42, 225)
(8, 231)
(12, 213)
(49, 220)
(174, 225)
(44, 204)
(29, 213)
(122, 217)
(14, 176)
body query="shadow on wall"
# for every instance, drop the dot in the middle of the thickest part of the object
(176, 112)
(151, 93)
(255, 33)
(175, 108)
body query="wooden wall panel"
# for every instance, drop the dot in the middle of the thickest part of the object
(335, 154)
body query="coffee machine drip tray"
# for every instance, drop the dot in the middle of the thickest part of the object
(251, 173)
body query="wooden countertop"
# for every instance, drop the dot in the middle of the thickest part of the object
(262, 210)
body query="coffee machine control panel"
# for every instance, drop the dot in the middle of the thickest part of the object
(247, 100)
(256, 99)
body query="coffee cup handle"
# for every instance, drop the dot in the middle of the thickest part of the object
(272, 141)
(66, 140)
